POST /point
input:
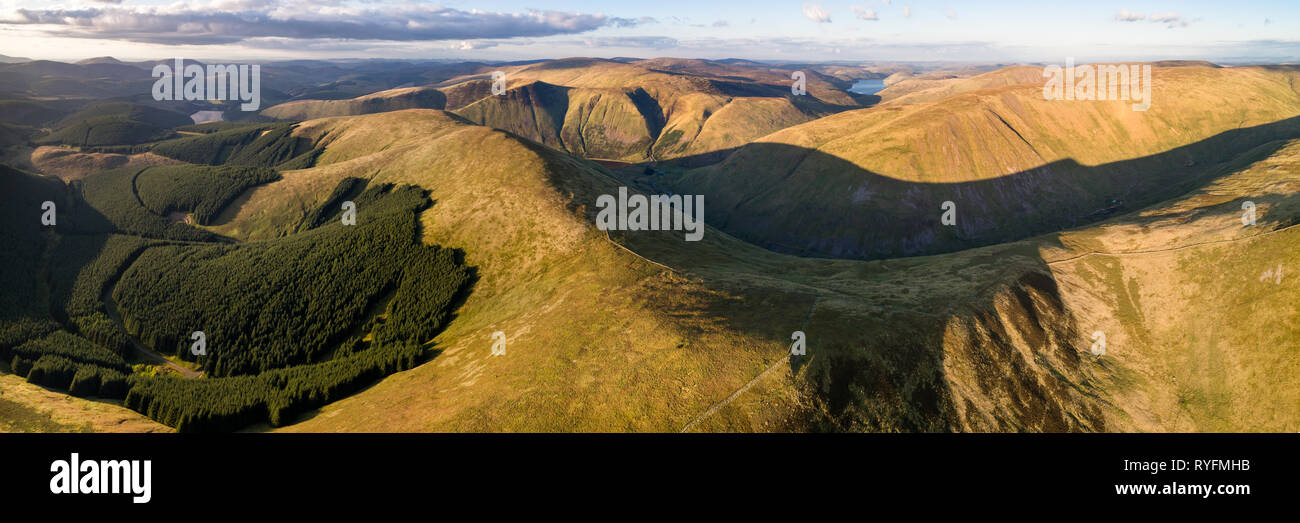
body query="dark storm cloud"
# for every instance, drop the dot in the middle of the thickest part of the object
(240, 20)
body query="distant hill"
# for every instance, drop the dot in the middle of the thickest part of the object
(383, 101)
(645, 110)
(12, 59)
(937, 86)
(99, 60)
(986, 339)
(870, 183)
(29, 112)
(116, 123)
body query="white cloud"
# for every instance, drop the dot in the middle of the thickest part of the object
(470, 45)
(907, 11)
(1170, 19)
(640, 42)
(864, 13)
(815, 13)
(239, 20)
(1124, 15)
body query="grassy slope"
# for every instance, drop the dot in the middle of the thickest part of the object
(932, 87)
(1015, 164)
(25, 407)
(70, 164)
(649, 109)
(383, 101)
(598, 339)
(986, 339)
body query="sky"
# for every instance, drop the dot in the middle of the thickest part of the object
(812, 31)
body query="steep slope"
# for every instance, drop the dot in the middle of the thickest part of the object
(383, 101)
(599, 123)
(937, 86)
(680, 335)
(1012, 163)
(660, 109)
(597, 338)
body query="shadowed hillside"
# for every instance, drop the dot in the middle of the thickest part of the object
(645, 110)
(600, 338)
(1013, 164)
(1072, 219)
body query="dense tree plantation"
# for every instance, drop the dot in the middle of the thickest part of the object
(274, 304)
(129, 111)
(253, 146)
(82, 265)
(71, 347)
(291, 324)
(111, 205)
(106, 130)
(82, 268)
(51, 282)
(78, 378)
(24, 308)
(198, 189)
(67, 361)
(345, 190)
(116, 123)
(275, 397)
(218, 126)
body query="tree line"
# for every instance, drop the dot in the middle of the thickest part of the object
(200, 190)
(275, 304)
(275, 397)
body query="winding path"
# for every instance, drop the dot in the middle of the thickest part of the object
(745, 387)
(111, 308)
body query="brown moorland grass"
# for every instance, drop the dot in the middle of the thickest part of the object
(995, 338)
(1014, 164)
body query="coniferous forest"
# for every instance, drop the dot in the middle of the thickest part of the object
(290, 324)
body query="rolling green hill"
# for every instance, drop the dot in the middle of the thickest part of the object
(646, 110)
(1072, 218)
(116, 123)
(383, 101)
(112, 240)
(871, 183)
(268, 145)
(994, 338)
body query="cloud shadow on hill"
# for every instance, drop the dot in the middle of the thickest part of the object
(876, 367)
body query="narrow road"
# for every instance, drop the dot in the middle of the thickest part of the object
(111, 308)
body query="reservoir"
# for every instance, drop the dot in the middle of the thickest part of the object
(206, 116)
(867, 86)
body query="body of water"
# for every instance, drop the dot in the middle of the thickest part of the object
(867, 86)
(206, 116)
